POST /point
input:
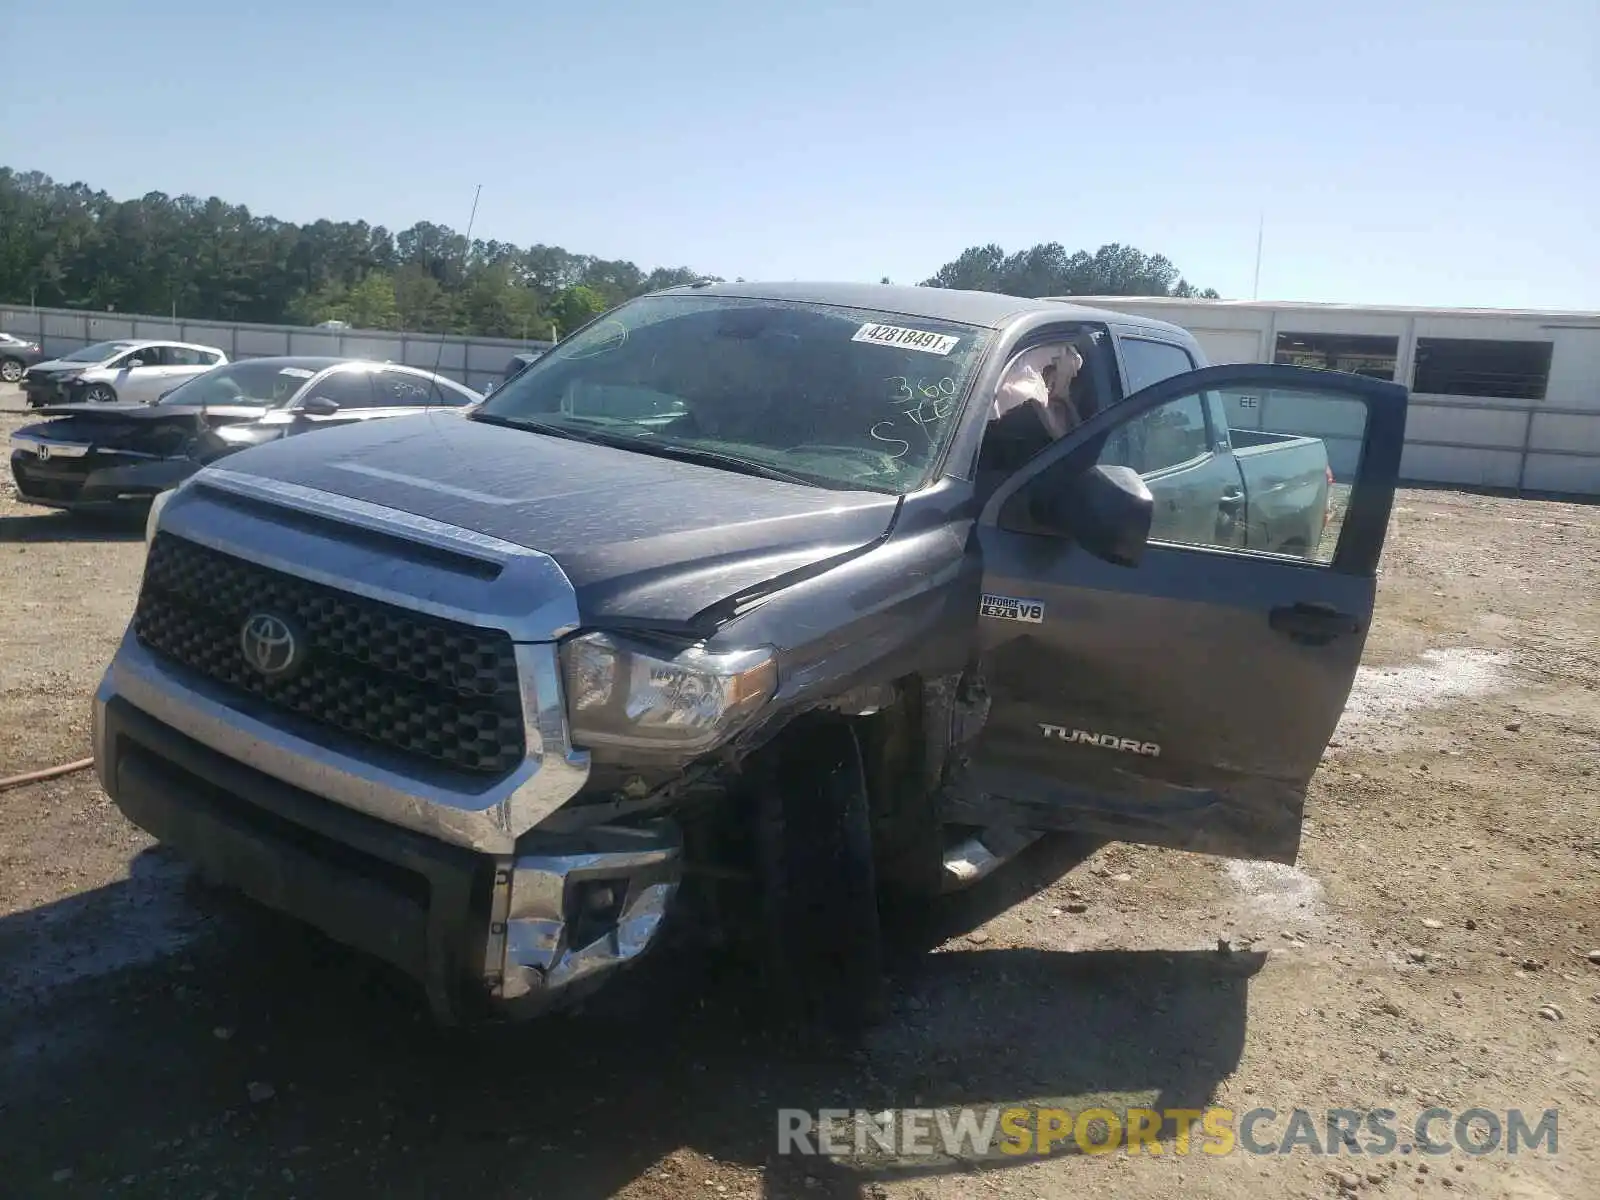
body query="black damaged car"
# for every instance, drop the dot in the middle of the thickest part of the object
(100, 456)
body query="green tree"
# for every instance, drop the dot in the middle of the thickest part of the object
(1048, 270)
(576, 306)
(67, 245)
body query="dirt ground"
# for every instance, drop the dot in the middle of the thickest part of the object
(1432, 947)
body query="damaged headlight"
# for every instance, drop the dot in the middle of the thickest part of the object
(241, 435)
(623, 693)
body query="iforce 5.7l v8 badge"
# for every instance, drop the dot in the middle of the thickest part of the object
(1011, 608)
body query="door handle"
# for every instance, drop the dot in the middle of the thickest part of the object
(1231, 498)
(1315, 624)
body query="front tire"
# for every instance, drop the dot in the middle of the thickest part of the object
(822, 937)
(100, 393)
(11, 370)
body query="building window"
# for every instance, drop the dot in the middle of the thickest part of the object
(1468, 367)
(1357, 354)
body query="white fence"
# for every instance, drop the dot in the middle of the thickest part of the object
(474, 361)
(1549, 444)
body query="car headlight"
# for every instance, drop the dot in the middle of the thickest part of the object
(241, 435)
(622, 693)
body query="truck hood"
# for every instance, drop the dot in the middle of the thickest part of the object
(643, 540)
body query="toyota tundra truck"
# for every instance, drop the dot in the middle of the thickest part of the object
(730, 614)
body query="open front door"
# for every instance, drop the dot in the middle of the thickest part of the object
(1184, 700)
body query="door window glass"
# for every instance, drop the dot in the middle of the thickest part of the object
(183, 356)
(347, 389)
(402, 389)
(1280, 486)
(144, 356)
(1161, 439)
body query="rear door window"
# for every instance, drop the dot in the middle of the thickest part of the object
(347, 389)
(1147, 362)
(402, 389)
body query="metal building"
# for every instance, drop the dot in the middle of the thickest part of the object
(1500, 398)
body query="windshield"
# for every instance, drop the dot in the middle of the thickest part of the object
(98, 352)
(270, 384)
(838, 397)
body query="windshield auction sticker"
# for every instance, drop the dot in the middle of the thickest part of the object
(906, 339)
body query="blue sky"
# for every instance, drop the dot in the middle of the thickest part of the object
(1410, 152)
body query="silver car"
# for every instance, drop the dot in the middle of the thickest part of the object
(133, 369)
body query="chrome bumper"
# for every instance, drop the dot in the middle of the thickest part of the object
(44, 449)
(578, 909)
(555, 919)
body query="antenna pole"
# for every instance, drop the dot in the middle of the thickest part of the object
(439, 357)
(1261, 231)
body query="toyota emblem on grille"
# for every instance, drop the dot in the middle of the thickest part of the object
(271, 645)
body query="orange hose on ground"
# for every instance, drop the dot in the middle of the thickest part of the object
(47, 773)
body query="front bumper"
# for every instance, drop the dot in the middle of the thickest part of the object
(40, 393)
(79, 477)
(485, 935)
(449, 878)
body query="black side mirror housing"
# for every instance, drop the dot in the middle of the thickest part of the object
(1106, 510)
(317, 406)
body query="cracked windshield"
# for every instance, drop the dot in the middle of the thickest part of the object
(836, 397)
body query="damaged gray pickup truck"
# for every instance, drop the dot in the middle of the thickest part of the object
(737, 611)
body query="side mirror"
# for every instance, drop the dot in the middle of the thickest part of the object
(1106, 510)
(134, 362)
(317, 406)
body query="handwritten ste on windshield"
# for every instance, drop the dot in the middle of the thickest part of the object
(918, 404)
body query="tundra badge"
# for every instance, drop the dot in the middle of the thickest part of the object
(1106, 741)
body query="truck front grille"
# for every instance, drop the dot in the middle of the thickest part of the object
(428, 688)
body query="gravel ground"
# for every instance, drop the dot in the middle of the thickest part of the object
(1431, 947)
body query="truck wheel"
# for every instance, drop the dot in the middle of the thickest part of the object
(822, 939)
